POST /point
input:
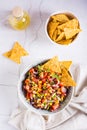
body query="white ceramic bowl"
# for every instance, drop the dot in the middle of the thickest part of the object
(69, 15)
(39, 111)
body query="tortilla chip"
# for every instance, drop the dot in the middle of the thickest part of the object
(7, 54)
(59, 31)
(70, 24)
(55, 35)
(18, 49)
(51, 27)
(69, 32)
(62, 18)
(60, 37)
(65, 42)
(66, 78)
(66, 64)
(12, 56)
(15, 53)
(53, 65)
(15, 58)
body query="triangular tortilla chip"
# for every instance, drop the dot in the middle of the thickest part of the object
(51, 28)
(66, 64)
(55, 35)
(53, 65)
(7, 54)
(66, 78)
(60, 37)
(62, 18)
(15, 57)
(69, 32)
(18, 49)
(12, 56)
(70, 24)
(15, 53)
(65, 42)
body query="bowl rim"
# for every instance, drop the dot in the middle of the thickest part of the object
(60, 12)
(29, 106)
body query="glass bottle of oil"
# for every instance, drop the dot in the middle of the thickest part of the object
(19, 19)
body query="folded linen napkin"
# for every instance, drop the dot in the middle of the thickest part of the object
(24, 119)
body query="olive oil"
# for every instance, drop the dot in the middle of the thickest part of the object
(19, 19)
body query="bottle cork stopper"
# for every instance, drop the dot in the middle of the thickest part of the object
(17, 12)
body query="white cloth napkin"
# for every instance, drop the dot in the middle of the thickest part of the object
(24, 119)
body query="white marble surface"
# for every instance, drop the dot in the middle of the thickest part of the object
(35, 41)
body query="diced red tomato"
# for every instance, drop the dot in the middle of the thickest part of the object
(35, 80)
(29, 96)
(44, 80)
(31, 70)
(27, 81)
(45, 74)
(54, 106)
(60, 84)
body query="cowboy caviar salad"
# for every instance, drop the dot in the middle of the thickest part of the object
(44, 88)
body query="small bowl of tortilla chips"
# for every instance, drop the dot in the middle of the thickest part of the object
(62, 28)
(47, 87)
